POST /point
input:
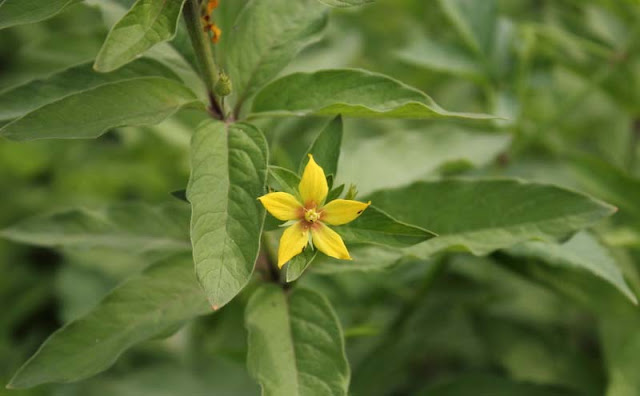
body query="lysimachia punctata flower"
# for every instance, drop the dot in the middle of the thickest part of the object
(311, 215)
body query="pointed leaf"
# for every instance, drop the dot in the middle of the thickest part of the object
(583, 252)
(25, 98)
(444, 58)
(146, 306)
(296, 344)
(88, 114)
(228, 174)
(350, 92)
(376, 227)
(275, 31)
(18, 12)
(484, 215)
(147, 23)
(326, 148)
(133, 227)
(300, 263)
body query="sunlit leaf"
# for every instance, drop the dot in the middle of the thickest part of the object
(350, 92)
(147, 23)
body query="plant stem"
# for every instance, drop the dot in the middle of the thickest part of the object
(202, 49)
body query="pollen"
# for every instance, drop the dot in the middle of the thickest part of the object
(311, 216)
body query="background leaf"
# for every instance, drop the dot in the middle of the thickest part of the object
(161, 298)
(476, 22)
(583, 252)
(484, 215)
(275, 30)
(228, 174)
(147, 23)
(18, 12)
(28, 97)
(326, 148)
(140, 101)
(296, 345)
(350, 92)
(132, 227)
(376, 160)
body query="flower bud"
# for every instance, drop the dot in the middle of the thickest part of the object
(223, 86)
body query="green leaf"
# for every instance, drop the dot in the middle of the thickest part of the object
(376, 227)
(146, 306)
(475, 21)
(350, 92)
(583, 252)
(147, 23)
(275, 31)
(366, 258)
(485, 215)
(228, 174)
(88, 114)
(18, 12)
(296, 344)
(608, 182)
(326, 148)
(393, 159)
(346, 3)
(441, 57)
(284, 180)
(297, 265)
(132, 227)
(25, 98)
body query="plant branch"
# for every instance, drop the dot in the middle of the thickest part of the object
(202, 49)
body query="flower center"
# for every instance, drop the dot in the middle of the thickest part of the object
(311, 216)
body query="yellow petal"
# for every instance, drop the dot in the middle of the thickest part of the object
(282, 206)
(342, 211)
(329, 242)
(293, 241)
(313, 186)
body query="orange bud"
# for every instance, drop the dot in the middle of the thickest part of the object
(212, 5)
(216, 33)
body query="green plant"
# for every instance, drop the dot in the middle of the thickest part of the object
(484, 256)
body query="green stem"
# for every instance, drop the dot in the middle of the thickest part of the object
(202, 49)
(272, 258)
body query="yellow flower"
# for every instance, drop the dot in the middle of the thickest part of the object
(311, 216)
